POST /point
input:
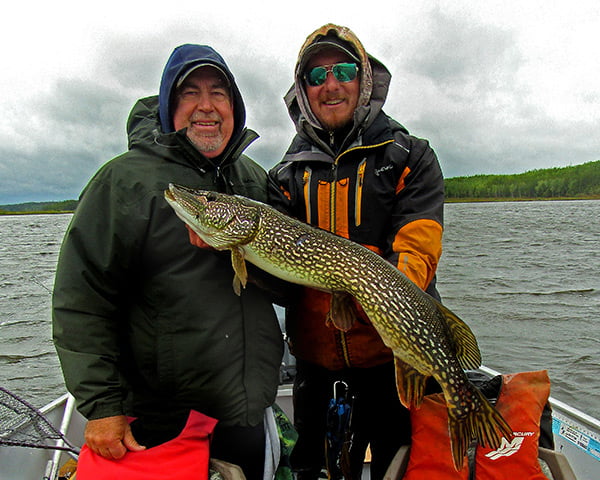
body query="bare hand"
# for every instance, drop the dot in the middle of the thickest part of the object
(111, 437)
(196, 240)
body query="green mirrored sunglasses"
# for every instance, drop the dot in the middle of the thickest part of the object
(343, 72)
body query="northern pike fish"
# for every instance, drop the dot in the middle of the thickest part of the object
(426, 338)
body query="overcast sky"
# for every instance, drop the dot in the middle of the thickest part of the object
(496, 87)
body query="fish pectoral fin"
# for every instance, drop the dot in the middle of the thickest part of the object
(465, 343)
(410, 384)
(342, 311)
(239, 267)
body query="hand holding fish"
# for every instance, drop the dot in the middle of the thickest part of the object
(196, 240)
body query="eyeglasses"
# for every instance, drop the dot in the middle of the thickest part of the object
(343, 72)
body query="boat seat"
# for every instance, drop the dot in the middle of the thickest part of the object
(398, 465)
(554, 464)
(557, 463)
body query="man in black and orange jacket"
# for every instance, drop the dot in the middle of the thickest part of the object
(354, 171)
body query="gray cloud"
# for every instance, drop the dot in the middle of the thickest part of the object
(263, 83)
(462, 88)
(80, 124)
(77, 124)
(460, 56)
(465, 84)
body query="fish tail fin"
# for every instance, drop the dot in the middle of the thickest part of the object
(484, 423)
(460, 439)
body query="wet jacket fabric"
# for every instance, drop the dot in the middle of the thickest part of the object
(374, 183)
(144, 322)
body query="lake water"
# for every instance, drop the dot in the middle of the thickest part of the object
(524, 275)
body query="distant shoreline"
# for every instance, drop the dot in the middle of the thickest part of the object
(448, 200)
(520, 199)
(578, 182)
(41, 212)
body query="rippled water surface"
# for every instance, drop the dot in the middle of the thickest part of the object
(29, 246)
(525, 277)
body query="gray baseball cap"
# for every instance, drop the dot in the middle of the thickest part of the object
(193, 68)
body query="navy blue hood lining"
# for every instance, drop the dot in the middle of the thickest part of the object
(181, 60)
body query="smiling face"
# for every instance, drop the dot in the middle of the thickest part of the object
(333, 102)
(204, 107)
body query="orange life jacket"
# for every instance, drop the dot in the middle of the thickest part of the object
(185, 456)
(521, 402)
(430, 452)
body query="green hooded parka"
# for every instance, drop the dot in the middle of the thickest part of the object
(144, 322)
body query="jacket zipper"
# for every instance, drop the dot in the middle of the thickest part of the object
(345, 350)
(333, 227)
(332, 191)
(332, 208)
(306, 180)
(360, 176)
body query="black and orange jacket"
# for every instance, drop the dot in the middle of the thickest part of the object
(376, 185)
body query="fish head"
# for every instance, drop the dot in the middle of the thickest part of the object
(222, 221)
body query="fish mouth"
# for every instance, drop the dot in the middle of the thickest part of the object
(169, 195)
(179, 191)
(184, 199)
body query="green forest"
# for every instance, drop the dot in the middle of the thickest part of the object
(39, 207)
(574, 182)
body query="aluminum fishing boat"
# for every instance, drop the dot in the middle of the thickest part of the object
(576, 436)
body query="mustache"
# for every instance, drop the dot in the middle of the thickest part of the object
(203, 117)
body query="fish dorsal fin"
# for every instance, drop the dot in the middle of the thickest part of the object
(467, 350)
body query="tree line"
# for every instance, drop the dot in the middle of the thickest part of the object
(39, 207)
(579, 181)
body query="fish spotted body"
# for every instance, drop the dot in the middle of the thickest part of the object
(425, 337)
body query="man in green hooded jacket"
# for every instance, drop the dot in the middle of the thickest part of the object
(146, 324)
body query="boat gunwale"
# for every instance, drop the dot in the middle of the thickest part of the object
(559, 405)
